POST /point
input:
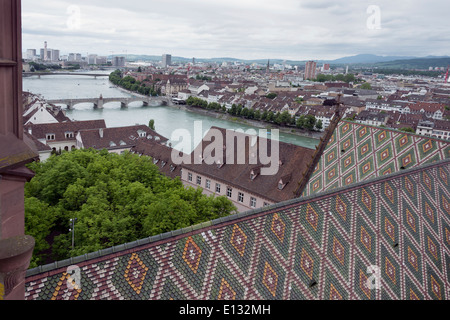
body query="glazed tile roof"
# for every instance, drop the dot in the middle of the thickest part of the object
(317, 247)
(359, 152)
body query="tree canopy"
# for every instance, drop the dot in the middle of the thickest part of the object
(116, 199)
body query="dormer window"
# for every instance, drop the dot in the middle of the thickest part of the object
(163, 164)
(50, 137)
(155, 161)
(69, 135)
(283, 182)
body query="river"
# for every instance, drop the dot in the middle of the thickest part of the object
(167, 119)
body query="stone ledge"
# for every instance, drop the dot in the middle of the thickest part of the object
(15, 256)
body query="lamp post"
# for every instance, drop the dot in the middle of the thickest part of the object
(72, 229)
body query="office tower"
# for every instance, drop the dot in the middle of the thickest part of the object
(31, 53)
(92, 59)
(166, 60)
(101, 60)
(310, 70)
(119, 61)
(45, 51)
(55, 55)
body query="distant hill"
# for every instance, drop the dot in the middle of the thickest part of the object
(368, 58)
(418, 63)
(361, 60)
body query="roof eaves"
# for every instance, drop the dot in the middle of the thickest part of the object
(228, 219)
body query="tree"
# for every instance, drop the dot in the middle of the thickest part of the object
(271, 96)
(151, 125)
(310, 122)
(319, 125)
(301, 122)
(366, 86)
(115, 198)
(408, 129)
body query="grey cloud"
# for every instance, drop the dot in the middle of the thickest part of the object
(291, 29)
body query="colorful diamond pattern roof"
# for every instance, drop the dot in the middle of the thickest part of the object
(385, 238)
(358, 152)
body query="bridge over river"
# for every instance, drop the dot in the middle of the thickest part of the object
(40, 74)
(99, 103)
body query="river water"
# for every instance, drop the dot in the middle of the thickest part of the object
(168, 120)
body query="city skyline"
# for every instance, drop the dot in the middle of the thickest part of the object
(288, 29)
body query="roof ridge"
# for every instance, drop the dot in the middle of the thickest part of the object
(229, 219)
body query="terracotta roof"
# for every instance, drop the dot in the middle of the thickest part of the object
(39, 131)
(161, 154)
(39, 145)
(118, 138)
(294, 161)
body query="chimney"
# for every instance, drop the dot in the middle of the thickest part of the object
(101, 132)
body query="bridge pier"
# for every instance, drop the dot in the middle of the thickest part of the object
(123, 105)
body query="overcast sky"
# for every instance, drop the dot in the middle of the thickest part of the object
(243, 29)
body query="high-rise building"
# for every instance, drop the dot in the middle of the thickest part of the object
(45, 52)
(92, 59)
(31, 54)
(101, 60)
(310, 70)
(55, 55)
(166, 60)
(118, 62)
(326, 68)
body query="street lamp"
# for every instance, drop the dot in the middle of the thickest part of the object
(72, 229)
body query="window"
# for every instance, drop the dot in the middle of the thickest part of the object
(253, 202)
(266, 204)
(50, 137)
(217, 188)
(208, 184)
(190, 177)
(241, 197)
(229, 192)
(199, 180)
(69, 135)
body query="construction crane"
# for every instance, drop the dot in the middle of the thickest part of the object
(446, 76)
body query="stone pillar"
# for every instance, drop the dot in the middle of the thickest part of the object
(100, 102)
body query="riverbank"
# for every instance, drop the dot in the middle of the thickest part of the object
(254, 123)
